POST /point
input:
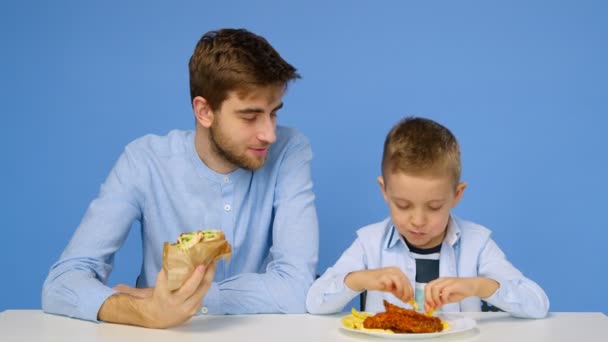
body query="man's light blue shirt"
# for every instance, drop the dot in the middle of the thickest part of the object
(268, 216)
(466, 251)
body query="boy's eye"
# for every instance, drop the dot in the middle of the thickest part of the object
(435, 208)
(402, 206)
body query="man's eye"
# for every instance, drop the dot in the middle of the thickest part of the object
(249, 118)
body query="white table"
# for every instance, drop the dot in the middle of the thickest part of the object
(36, 326)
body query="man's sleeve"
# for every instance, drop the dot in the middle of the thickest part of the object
(76, 284)
(294, 251)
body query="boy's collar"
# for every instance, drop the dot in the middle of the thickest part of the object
(451, 237)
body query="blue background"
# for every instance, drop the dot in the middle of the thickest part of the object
(522, 84)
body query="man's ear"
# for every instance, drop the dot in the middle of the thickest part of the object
(202, 111)
(459, 192)
(382, 188)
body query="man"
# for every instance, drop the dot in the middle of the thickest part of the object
(237, 171)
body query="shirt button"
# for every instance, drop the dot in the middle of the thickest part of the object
(204, 310)
(227, 207)
(226, 180)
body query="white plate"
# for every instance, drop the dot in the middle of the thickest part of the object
(456, 323)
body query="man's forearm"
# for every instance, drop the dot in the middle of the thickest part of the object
(123, 309)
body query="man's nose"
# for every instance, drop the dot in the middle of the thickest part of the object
(267, 130)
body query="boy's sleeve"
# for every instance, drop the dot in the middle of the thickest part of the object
(329, 294)
(516, 294)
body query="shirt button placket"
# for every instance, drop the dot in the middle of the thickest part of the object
(227, 216)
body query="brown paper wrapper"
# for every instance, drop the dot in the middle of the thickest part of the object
(180, 264)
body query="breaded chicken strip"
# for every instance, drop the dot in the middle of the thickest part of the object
(401, 320)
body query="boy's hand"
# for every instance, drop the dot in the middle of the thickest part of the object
(388, 279)
(443, 291)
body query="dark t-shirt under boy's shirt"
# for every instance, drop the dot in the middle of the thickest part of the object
(427, 270)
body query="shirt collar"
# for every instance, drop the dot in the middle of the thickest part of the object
(393, 237)
(206, 172)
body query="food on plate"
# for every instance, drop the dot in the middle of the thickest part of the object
(413, 304)
(195, 248)
(355, 321)
(394, 320)
(400, 320)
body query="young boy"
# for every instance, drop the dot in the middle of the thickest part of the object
(422, 252)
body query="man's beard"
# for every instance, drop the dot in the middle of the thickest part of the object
(224, 148)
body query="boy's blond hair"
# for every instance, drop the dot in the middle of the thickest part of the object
(420, 146)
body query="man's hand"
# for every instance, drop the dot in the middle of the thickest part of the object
(442, 291)
(158, 307)
(388, 279)
(134, 291)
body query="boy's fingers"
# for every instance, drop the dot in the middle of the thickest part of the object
(409, 292)
(436, 294)
(445, 296)
(383, 285)
(428, 296)
(397, 289)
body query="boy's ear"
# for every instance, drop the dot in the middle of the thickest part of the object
(459, 192)
(202, 111)
(382, 187)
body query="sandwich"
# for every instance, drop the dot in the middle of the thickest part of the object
(201, 247)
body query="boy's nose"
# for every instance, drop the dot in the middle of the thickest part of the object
(417, 219)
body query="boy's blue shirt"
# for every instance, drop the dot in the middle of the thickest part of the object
(467, 251)
(268, 216)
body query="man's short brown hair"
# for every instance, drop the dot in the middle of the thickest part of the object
(235, 59)
(420, 146)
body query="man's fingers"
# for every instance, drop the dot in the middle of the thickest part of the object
(201, 291)
(122, 288)
(133, 291)
(161, 280)
(191, 283)
(210, 274)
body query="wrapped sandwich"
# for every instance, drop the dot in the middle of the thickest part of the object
(193, 249)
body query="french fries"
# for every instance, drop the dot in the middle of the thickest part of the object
(356, 318)
(413, 304)
(415, 307)
(355, 321)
